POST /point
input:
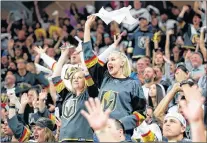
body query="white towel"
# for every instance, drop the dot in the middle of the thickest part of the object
(122, 15)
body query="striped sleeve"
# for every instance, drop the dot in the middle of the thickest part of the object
(52, 118)
(89, 80)
(46, 113)
(25, 136)
(89, 57)
(140, 118)
(95, 66)
(21, 132)
(92, 61)
(58, 83)
(148, 137)
(146, 133)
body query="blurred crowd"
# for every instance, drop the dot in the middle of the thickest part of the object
(74, 78)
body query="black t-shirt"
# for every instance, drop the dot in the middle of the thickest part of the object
(27, 112)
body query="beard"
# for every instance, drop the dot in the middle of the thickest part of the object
(147, 80)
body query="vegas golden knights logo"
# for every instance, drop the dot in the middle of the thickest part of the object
(69, 72)
(69, 108)
(108, 100)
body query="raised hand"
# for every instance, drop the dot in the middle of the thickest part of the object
(39, 50)
(24, 99)
(203, 29)
(188, 55)
(90, 20)
(96, 117)
(11, 43)
(65, 48)
(176, 87)
(185, 8)
(35, 2)
(193, 109)
(42, 95)
(180, 75)
(35, 104)
(169, 32)
(58, 122)
(12, 98)
(166, 59)
(51, 108)
(117, 40)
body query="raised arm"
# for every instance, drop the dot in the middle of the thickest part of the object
(148, 47)
(194, 113)
(9, 27)
(167, 43)
(56, 47)
(103, 56)
(61, 61)
(160, 110)
(95, 66)
(184, 10)
(52, 91)
(156, 46)
(24, 101)
(37, 11)
(56, 13)
(21, 132)
(10, 47)
(42, 99)
(196, 7)
(50, 62)
(202, 44)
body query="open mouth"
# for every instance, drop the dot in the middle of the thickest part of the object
(110, 68)
(36, 137)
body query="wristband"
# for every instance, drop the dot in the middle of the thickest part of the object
(189, 82)
(12, 107)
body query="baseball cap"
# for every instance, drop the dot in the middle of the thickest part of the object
(146, 16)
(182, 66)
(170, 24)
(177, 116)
(45, 123)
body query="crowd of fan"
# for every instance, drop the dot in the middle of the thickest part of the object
(141, 83)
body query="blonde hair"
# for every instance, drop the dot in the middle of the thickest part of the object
(49, 136)
(126, 68)
(71, 78)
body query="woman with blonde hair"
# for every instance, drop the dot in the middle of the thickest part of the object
(118, 92)
(48, 136)
(74, 127)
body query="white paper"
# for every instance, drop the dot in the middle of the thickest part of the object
(120, 16)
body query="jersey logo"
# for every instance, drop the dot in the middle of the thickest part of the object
(69, 108)
(108, 100)
(69, 71)
(141, 41)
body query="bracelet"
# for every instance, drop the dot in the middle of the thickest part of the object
(189, 82)
(12, 107)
